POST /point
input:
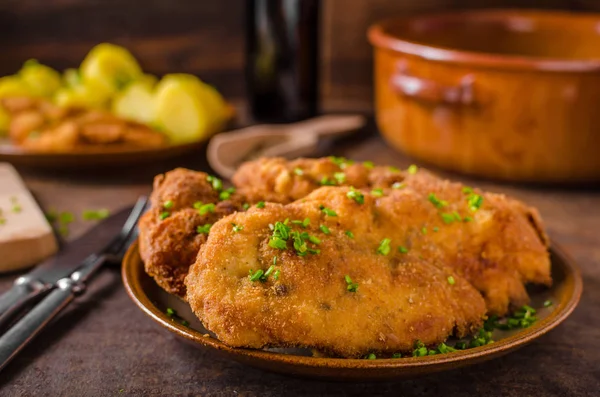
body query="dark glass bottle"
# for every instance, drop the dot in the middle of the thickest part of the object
(282, 53)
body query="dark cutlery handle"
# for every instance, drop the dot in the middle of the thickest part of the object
(15, 299)
(17, 337)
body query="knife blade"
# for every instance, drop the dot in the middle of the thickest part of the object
(35, 283)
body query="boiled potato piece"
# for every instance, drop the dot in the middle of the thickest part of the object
(136, 101)
(110, 67)
(40, 79)
(72, 78)
(180, 111)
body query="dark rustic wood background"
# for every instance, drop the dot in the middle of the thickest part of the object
(207, 37)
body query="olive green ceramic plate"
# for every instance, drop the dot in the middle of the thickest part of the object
(154, 301)
(94, 156)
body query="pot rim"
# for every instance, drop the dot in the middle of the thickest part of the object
(379, 38)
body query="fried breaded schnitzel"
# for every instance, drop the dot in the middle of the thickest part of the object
(182, 201)
(325, 279)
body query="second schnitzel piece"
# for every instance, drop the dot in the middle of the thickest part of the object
(185, 204)
(322, 273)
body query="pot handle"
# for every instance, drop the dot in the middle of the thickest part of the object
(431, 91)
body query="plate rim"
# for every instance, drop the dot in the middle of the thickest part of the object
(573, 276)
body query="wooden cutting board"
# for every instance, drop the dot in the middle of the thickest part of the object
(25, 236)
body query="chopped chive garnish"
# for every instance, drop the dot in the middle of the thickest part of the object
(274, 260)
(245, 206)
(451, 280)
(278, 243)
(314, 240)
(204, 208)
(447, 217)
(474, 201)
(16, 208)
(457, 216)
(356, 196)
(2, 221)
(237, 228)
(66, 217)
(424, 230)
(260, 204)
(303, 223)
(168, 204)
(350, 285)
(412, 169)
(185, 323)
(436, 201)
(276, 275)
(436, 229)
(467, 190)
(547, 303)
(397, 355)
(341, 162)
(349, 233)
(398, 185)
(467, 219)
(394, 169)
(298, 171)
(205, 229)
(325, 229)
(171, 312)
(371, 356)
(216, 183)
(368, 164)
(327, 182)
(402, 249)
(269, 271)
(377, 192)
(328, 211)
(340, 177)
(95, 215)
(255, 276)
(384, 247)
(164, 215)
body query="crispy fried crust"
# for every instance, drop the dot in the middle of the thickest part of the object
(169, 246)
(399, 299)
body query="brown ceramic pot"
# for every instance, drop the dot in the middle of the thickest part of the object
(511, 95)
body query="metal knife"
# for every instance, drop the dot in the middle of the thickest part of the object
(33, 285)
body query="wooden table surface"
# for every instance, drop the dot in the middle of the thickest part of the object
(104, 345)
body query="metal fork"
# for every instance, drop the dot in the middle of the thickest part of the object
(66, 290)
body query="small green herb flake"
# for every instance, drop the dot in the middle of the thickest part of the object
(260, 204)
(424, 230)
(51, 216)
(203, 209)
(328, 211)
(340, 177)
(303, 223)
(384, 247)
(467, 190)
(325, 229)
(474, 201)
(245, 206)
(394, 169)
(436, 201)
(314, 240)
(412, 169)
(276, 274)
(168, 204)
(371, 356)
(467, 219)
(377, 192)
(398, 185)
(368, 165)
(457, 216)
(216, 183)
(436, 229)
(355, 195)
(164, 215)
(16, 208)
(95, 215)
(402, 249)
(224, 195)
(269, 271)
(255, 276)
(451, 280)
(325, 181)
(350, 285)
(447, 217)
(341, 162)
(349, 233)
(185, 323)
(170, 312)
(63, 230)
(204, 229)
(298, 171)
(397, 355)
(66, 217)
(2, 221)
(547, 303)
(274, 260)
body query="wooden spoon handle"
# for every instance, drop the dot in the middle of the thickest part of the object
(329, 125)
